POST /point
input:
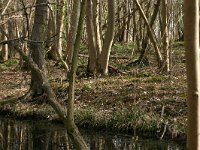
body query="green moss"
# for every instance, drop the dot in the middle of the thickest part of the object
(178, 49)
(87, 87)
(145, 74)
(8, 63)
(183, 95)
(123, 67)
(83, 46)
(85, 116)
(132, 78)
(156, 79)
(123, 48)
(178, 44)
(150, 122)
(150, 88)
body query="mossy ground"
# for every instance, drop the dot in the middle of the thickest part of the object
(139, 102)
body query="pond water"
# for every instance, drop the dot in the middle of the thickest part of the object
(36, 135)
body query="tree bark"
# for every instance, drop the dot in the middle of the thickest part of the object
(72, 129)
(191, 36)
(37, 45)
(60, 15)
(142, 58)
(73, 30)
(109, 35)
(4, 48)
(91, 38)
(151, 36)
(165, 37)
(96, 23)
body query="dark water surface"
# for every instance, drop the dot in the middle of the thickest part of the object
(36, 135)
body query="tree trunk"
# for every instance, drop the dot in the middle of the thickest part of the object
(96, 23)
(151, 35)
(73, 30)
(4, 48)
(191, 27)
(143, 58)
(60, 15)
(105, 54)
(37, 45)
(91, 38)
(52, 54)
(72, 129)
(165, 37)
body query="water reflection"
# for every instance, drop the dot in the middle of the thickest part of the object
(32, 135)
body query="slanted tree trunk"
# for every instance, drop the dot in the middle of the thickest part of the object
(191, 37)
(109, 35)
(37, 45)
(143, 58)
(151, 35)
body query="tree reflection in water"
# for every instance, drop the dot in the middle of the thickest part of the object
(35, 135)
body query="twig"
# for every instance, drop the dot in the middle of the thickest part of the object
(24, 38)
(162, 111)
(27, 7)
(6, 7)
(27, 18)
(164, 130)
(12, 40)
(111, 57)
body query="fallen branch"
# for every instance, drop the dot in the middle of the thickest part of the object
(111, 57)
(164, 131)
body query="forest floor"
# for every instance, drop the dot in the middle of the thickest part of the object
(136, 100)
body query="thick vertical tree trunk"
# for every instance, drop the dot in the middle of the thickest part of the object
(96, 23)
(4, 48)
(37, 45)
(191, 36)
(11, 33)
(165, 37)
(91, 38)
(51, 26)
(109, 35)
(93, 34)
(60, 15)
